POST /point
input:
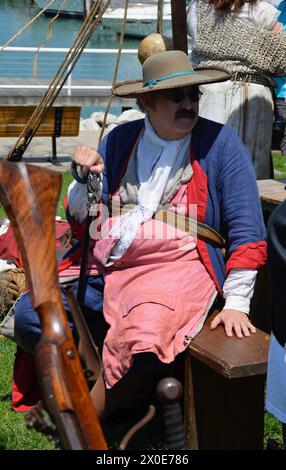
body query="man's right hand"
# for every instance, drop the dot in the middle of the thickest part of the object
(89, 160)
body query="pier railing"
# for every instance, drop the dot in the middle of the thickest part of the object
(93, 71)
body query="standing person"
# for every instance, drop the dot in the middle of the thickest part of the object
(280, 90)
(245, 39)
(276, 373)
(159, 281)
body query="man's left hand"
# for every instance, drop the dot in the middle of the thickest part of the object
(234, 320)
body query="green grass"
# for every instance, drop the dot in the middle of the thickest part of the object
(67, 179)
(272, 429)
(13, 432)
(279, 163)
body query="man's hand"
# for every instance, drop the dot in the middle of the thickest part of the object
(89, 160)
(234, 320)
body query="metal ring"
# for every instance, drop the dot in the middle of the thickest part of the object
(74, 171)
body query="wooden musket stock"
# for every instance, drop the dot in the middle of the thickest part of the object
(29, 196)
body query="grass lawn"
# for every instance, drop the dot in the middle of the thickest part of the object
(279, 163)
(13, 432)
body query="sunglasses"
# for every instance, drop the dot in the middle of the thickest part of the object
(179, 94)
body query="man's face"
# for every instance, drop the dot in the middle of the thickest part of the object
(173, 113)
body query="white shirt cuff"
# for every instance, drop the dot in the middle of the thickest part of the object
(237, 302)
(238, 289)
(77, 200)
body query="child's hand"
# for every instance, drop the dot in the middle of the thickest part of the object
(234, 320)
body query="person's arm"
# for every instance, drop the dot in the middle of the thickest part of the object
(242, 222)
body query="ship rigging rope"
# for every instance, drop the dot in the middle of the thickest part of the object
(59, 79)
(121, 41)
(48, 36)
(27, 25)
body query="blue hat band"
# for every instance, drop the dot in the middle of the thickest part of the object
(153, 82)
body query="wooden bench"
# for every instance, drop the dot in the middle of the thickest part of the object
(224, 390)
(60, 121)
(271, 193)
(225, 377)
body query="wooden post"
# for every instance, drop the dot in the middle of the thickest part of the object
(224, 396)
(179, 25)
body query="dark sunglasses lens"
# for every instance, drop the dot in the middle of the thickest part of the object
(178, 95)
(194, 94)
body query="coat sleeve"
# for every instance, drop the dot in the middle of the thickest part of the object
(241, 210)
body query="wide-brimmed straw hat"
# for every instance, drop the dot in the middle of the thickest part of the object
(168, 69)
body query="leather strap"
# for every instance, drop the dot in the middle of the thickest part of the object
(187, 224)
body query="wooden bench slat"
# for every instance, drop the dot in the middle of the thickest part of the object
(271, 191)
(235, 357)
(22, 120)
(14, 118)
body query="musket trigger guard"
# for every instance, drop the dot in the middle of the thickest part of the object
(77, 177)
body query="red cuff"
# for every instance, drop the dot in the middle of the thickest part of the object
(249, 256)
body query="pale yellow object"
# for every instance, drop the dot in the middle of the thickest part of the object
(150, 45)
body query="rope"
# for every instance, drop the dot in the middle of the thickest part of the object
(160, 17)
(93, 183)
(85, 33)
(12, 285)
(27, 25)
(121, 41)
(49, 34)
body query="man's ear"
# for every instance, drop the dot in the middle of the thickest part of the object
(145, 102)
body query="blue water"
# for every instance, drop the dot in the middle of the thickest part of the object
(14, 14)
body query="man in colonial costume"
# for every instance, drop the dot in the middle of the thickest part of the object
(161, 281)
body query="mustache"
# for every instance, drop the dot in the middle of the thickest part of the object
(185, 113)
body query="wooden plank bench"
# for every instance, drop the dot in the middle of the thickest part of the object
(60, 121)
(224, 390)
(271, 193)
(225, 377)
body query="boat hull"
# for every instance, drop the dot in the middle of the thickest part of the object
(135, 28)
(73, 8)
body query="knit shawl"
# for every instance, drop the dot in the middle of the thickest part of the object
(229, 44)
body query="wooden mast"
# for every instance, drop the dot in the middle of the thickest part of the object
(179, 25)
